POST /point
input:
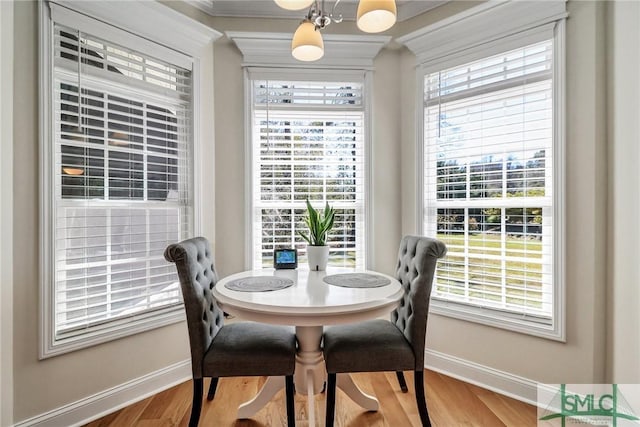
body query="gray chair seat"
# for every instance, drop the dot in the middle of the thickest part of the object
(394, 345)
(244, 349)
(371, 346)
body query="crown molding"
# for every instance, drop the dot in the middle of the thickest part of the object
(410, 9)
(150, 20)
(248, 9)
(488, 21)
(341, 51)
(203, 5)
(268, 9)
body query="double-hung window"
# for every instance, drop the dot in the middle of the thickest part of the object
(307, 143)
(489, 184)
(119, 187)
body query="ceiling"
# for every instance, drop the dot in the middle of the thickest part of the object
(268, 9)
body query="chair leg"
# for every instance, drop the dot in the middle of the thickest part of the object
(402, 382)
(291, 413)
(196, 406)
(420, 398)
(212, 389)
(331, 399)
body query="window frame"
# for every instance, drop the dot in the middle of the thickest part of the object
(305, 74)
(555, 330)
(109, 24)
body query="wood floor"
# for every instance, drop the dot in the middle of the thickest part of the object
(451, 403)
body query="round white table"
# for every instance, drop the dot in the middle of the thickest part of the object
(308, 305)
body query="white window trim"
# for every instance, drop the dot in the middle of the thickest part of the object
(341, 51)
(477, 32)
(303, 75)
(185, 40)
(345, 56)
(149, 20)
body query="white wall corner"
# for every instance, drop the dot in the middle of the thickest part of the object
(486, 22)
(100, 404)
(501, 382)
(6, 211)
(341, 51)
(149, 19)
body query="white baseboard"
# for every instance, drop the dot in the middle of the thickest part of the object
(107, 401)
(514, 386)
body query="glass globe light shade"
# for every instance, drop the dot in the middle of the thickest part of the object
(375, 16)
(294, 4)
(307, 44)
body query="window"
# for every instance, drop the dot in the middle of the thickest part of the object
(120, 187)
(307, 143)
(489, 186)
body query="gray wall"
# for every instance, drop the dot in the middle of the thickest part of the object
(601, 171)
(6, 212)
(623, 297)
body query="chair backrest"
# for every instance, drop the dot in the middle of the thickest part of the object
(197, 275)
(417, 260)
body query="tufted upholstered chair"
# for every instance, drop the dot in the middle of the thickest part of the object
(390, 345)
(218, 350)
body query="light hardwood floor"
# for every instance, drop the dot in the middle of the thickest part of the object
(451, 403)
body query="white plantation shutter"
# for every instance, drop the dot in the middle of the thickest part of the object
(488, 179)
(122, 137)
(307, 143)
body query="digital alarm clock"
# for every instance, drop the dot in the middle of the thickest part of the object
(285, 259)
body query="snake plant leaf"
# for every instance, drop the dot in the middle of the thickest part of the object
(319, 224)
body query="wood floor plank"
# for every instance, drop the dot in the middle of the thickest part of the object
(451, 403)
(158, 404)
(129, 415)
(104, 421)
(180, 403)
(442, 409)
(474, 406)
(510, 411)
(407, 400)
(162, 422)
(231, 392)
(353, 415)
(392, 412)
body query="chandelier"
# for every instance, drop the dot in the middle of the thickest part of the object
(373, 16)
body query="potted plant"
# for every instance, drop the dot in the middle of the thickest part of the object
(319, 224)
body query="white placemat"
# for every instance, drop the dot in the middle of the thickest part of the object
(258, 284)
(357, 280)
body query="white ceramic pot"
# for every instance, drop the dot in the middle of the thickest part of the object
(318, 256)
